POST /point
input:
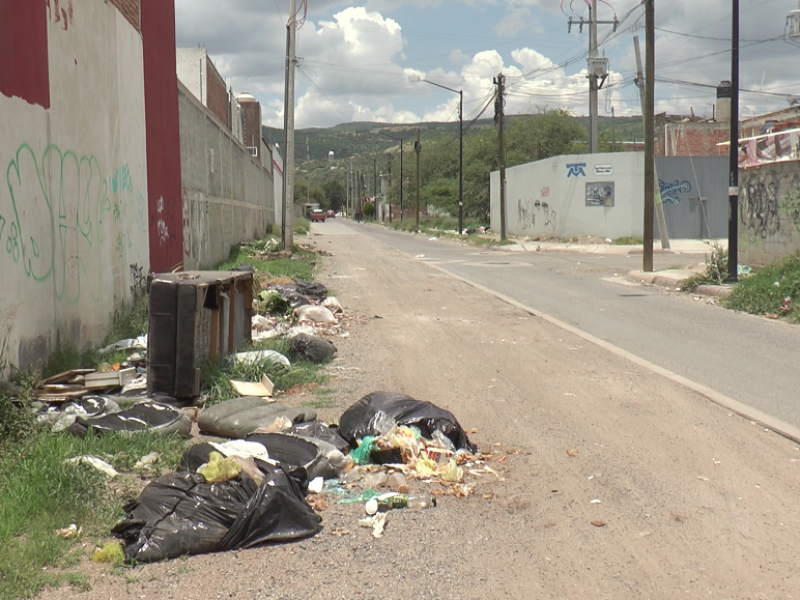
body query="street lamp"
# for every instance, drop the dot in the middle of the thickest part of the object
(460, 152)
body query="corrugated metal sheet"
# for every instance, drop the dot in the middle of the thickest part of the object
(694, 192)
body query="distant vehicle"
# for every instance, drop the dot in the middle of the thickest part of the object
(318, 215)
(330, 214)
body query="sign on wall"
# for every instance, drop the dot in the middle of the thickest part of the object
(600, 193)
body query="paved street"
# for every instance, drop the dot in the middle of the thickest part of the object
(749, 359)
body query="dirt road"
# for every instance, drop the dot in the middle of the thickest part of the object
(669, 496)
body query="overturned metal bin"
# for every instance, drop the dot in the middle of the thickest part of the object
(194, 316)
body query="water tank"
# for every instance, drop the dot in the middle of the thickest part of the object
(724, 93)
(792, 30)
(330, 156)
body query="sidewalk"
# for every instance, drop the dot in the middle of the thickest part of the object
(669, 278)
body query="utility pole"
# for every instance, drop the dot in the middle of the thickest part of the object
(733, 184)
(613, 132)
(375, 186)
(597, 69)
(656, 199)
(500, 118)
(287, 233)
(418, 151)
(649, 162)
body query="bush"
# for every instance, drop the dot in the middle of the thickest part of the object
(716, 270)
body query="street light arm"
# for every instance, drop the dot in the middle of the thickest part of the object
(444, 87)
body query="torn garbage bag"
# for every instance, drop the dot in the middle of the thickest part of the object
(361, 418)
(180, 514)
(142, 416)
(240, 416)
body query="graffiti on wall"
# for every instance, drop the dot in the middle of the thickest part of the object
(766, 196)
(529, 213)
(56, 217)
(670, 192)
(599, 193)
(195, 228)
(60, 11)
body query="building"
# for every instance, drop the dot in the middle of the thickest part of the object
(197, 72)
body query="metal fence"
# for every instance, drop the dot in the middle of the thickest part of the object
(694, 192)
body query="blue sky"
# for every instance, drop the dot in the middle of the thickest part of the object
(362, 62)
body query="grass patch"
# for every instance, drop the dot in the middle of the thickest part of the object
(628, 241)
(716, 270)
(323, 398)
(301, 226)
(216, 376)
(772, 290)
(300, 263)
(41, 494)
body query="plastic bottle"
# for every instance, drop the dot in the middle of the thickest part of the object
(398, 483)
(420, 500)
(373, 480)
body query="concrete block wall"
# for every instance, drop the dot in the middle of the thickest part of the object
(769, 213)
(228, 197)
(578, 195)
(73, 181)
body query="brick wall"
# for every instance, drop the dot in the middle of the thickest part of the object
(251, 126)
(693, 139)
(216, 93)
(130, 9)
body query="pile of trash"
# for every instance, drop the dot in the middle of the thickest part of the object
(292, 307)
(281, 467)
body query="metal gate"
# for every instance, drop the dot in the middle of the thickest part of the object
(694, 192)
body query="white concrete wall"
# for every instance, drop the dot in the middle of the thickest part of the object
(73, 189)
(548, 198)
(228, 197)
(192, 70)
(277, 175)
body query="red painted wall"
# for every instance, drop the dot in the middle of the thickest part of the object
(163, 137)
(24, 68)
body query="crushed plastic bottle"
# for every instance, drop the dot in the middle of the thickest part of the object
(374, 480)
(420, 500)
(366, 495)
(397, 483)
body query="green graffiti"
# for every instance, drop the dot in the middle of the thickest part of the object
(57, 217)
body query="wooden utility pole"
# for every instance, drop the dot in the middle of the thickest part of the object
(287, 231)
(500, 117)
(656, 199)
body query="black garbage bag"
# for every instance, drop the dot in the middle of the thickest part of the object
(312, 289)
(312, 348)
(291, 294)
(321, 431)
(359, 420)
(180, 514)
(142, 416)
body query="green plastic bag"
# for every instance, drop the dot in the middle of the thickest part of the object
(361, 454)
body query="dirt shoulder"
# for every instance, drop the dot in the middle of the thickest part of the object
(662, 493)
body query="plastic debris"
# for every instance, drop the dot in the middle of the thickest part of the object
(94, 462)
(70, 532)
(272, 356)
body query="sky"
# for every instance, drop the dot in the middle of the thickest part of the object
(369, 61)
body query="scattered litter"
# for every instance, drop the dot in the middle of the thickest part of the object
(598, 523)
(93, 461)
(70, 532)
(146, 462)
(340, 532)
(272, 356)
(128, 345)
(420, 256)
(378, 525)
(263, 389)
(701, 478)
(572, 452)
(333, 305)
(316, 314)
(111, 553)
(146, 415)
(594, 501)
(316, 485)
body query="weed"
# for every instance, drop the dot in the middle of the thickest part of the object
(301, 226)
(628, 241)
(772, 290)
(323, 398)
(17, 418)
(297, 264)
(131, 319)
(715, 273)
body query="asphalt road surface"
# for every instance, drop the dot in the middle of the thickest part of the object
(750, 359)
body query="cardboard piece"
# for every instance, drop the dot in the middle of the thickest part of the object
(263, 389)
(108, 379)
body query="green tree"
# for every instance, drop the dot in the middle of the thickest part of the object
(334, 194)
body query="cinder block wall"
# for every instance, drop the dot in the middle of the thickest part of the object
(228, 196)
(769, 213)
